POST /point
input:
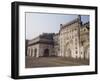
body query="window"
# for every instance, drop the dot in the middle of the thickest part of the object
(76, 47)
(76, 52)
(84, 29)
(75, 29)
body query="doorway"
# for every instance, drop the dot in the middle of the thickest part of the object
(46, 53)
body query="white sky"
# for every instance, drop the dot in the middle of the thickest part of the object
(38, 23)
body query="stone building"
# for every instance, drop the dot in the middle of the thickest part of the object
(84, 41)
(41, 46)
(74, 39)
(71, 41)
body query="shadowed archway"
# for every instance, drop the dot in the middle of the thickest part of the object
(35, 52)
(86, 52)
(67, 50)
(46, 53)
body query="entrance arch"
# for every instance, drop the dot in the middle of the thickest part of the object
(86, 52)
(35, 52)
(31, 52)
(67, 50)
(46, 53)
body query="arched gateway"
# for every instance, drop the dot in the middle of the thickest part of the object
(67, 50)
(86, 52)
(35, 52)
(46, 53)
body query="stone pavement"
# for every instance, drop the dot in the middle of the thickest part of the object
(32, 62)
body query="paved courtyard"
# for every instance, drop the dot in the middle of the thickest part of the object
(32, 62)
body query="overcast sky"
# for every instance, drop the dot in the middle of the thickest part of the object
(38, 23)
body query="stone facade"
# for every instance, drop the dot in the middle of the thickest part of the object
(56, 44)
(41, 46)
(84, 41)
(71, 41)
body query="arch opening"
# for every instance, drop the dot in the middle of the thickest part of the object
(35, 52)
(46, 53)
(86, 53)
(67, 50)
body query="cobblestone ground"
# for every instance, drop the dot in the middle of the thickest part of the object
(32, 62)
